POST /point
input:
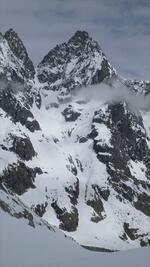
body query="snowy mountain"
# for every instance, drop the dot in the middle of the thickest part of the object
(74, 146)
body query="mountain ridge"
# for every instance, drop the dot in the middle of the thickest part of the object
(78, 35)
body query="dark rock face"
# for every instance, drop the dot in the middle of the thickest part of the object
(83, 139)
(131, 232)
(128, 143)
(71, 166)
(101, 192)
(27, 215)
(17, 111)
(69, 220)
(23, 148)
(40, 209)
(143, 203)
(4, 206)
(32, 125)
(102, 74)
(24, 214)
(97, 206)
(145, 243)
(79, 38)
(70, 114)
(135, 141)
(19, 177)
(73, 192)
(19, 50)
(96, 203)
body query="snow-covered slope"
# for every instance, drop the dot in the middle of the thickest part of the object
(29, 240)
(36, 247)
(80, 162)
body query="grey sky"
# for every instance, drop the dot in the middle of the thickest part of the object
(122, 28)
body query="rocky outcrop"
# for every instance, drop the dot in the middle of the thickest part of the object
(96, 203)
(23, 147)
(40, 209)
(68, 219)
(17, 112)
(70, 114)
(73, 192)
(18, 177)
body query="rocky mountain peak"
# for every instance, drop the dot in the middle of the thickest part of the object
(77, 63)
(17, 47)
(15, 44)
(83, 39)
(79, 37)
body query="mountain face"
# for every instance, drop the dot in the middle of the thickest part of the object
(81, 163)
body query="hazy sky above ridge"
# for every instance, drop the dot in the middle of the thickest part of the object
(122, 28)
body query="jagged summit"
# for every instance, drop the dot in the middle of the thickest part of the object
(17, 47)
(82, 38)
(77, 63)
(79, 36)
